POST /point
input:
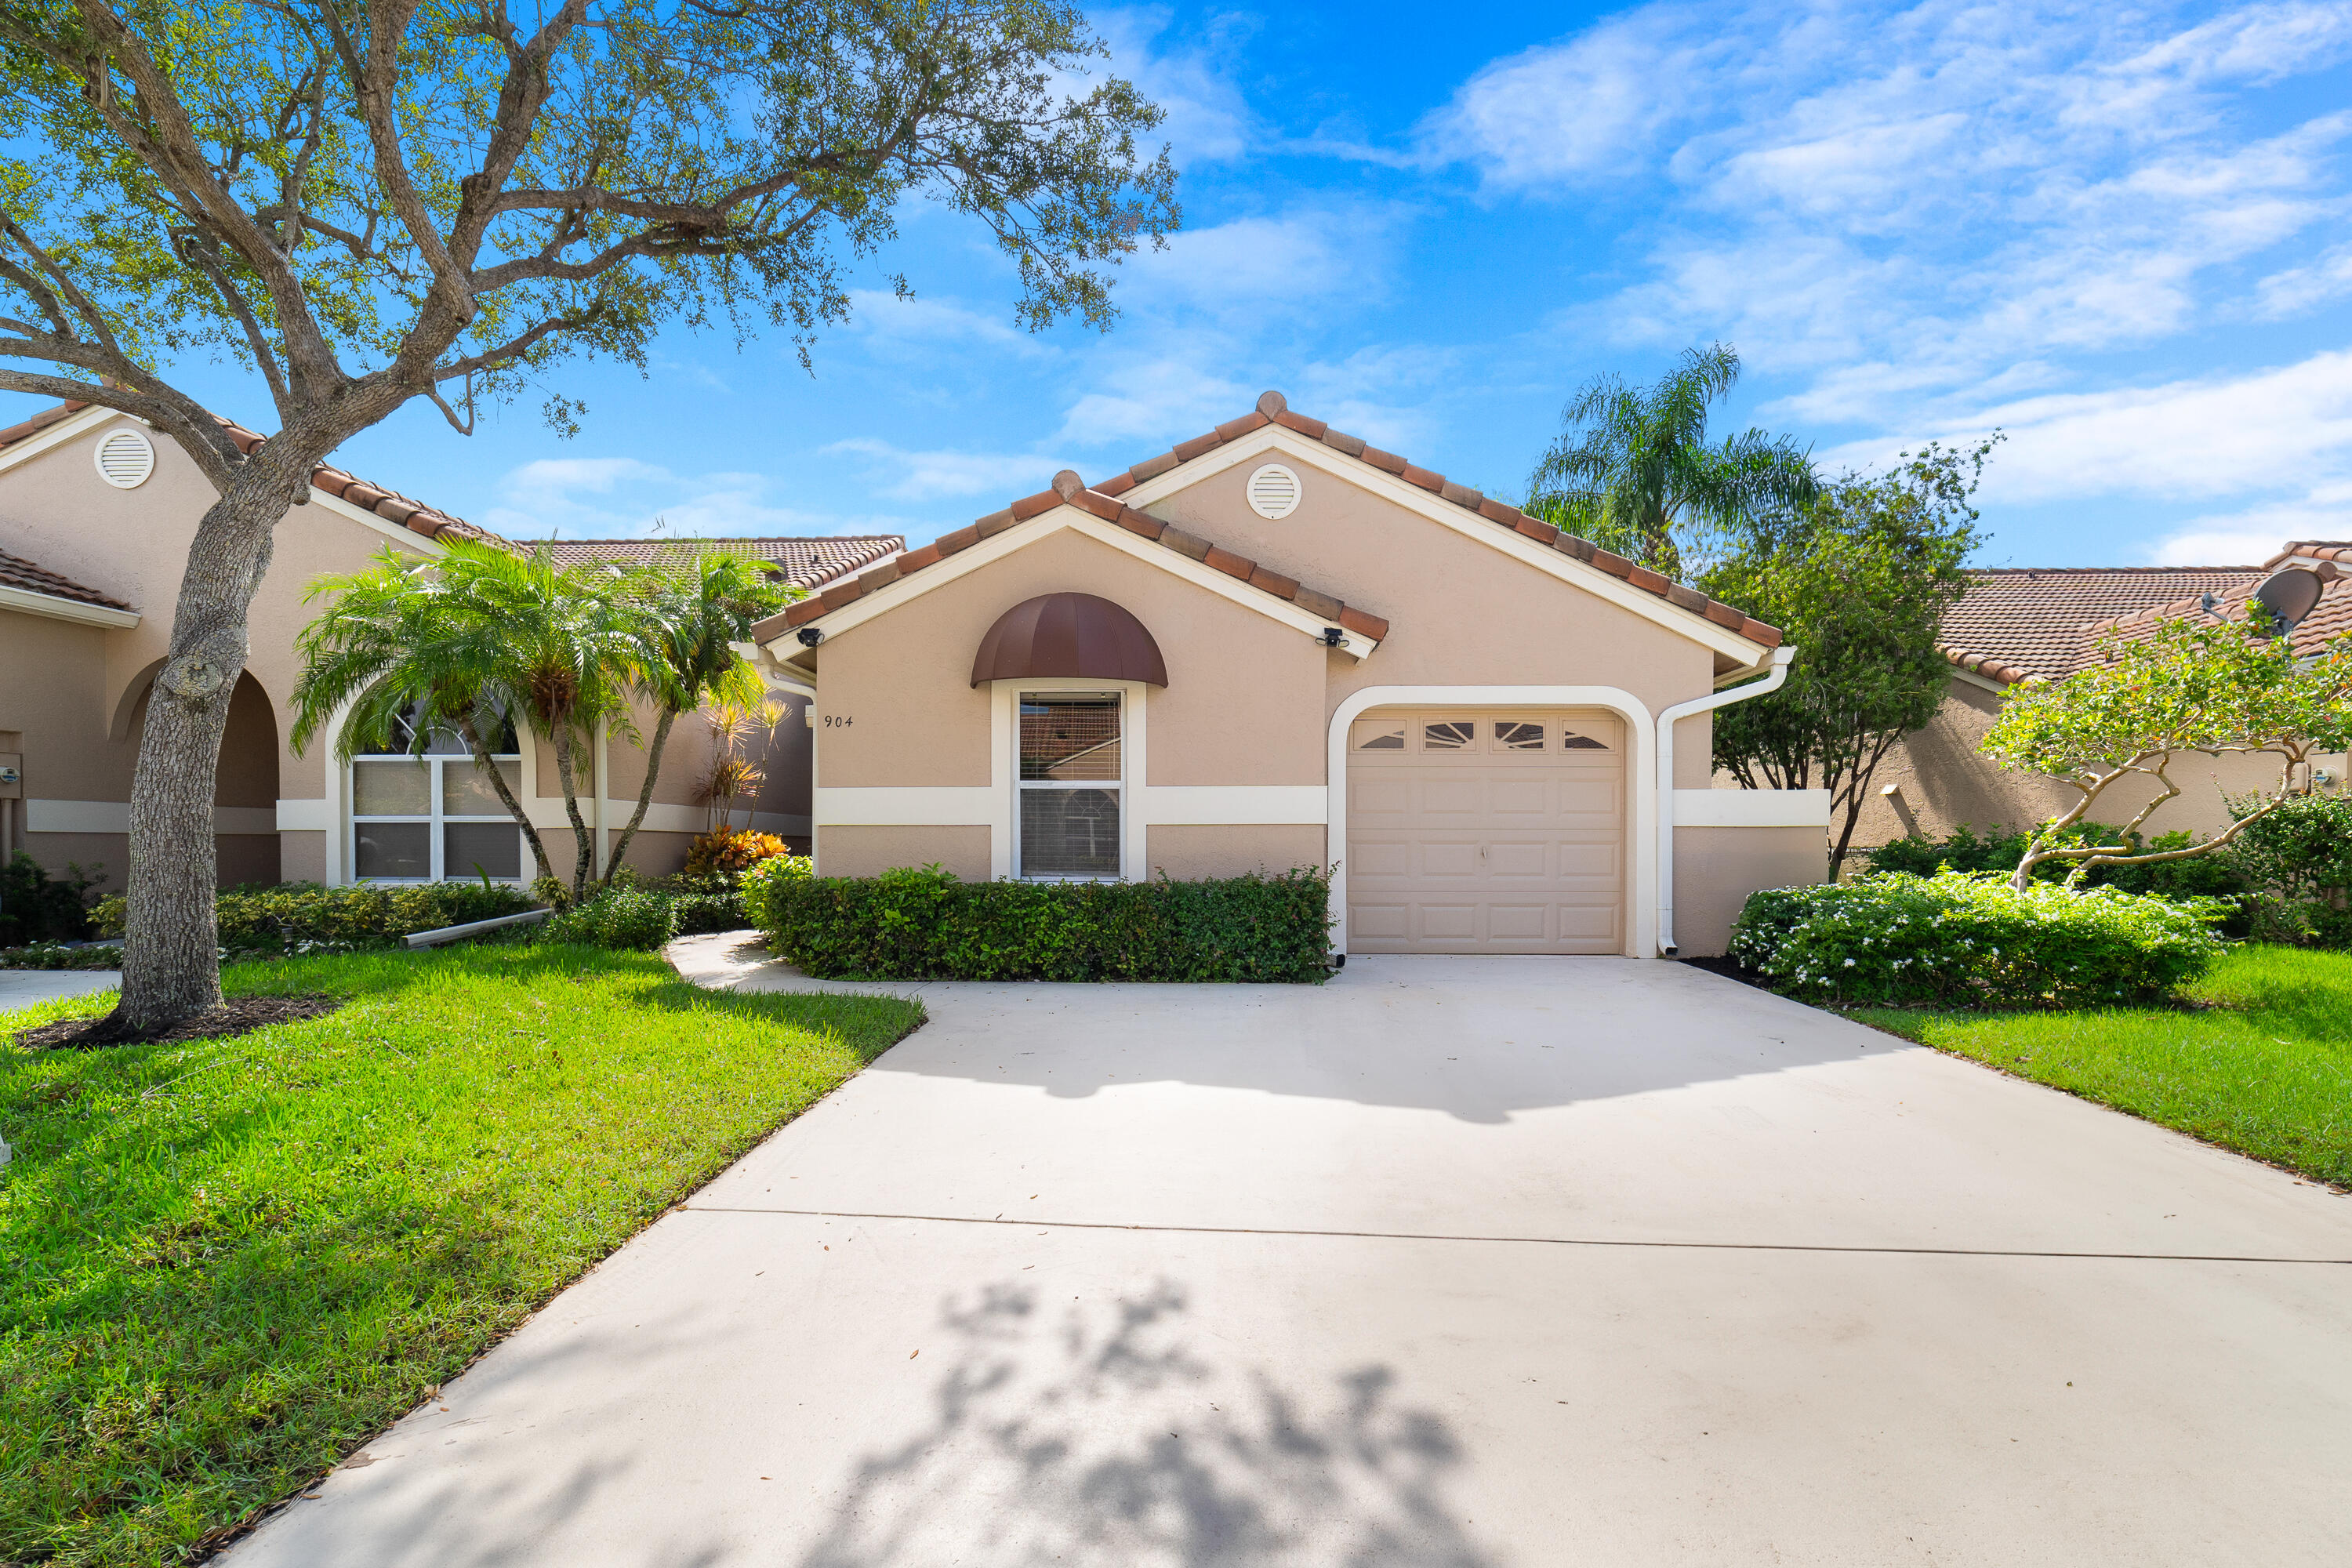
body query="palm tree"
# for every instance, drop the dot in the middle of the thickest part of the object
(1632, 466)
(479, 632)
(693, 619)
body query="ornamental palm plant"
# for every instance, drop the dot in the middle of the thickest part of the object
(1633, 467)
(460, 641)
(692, 620)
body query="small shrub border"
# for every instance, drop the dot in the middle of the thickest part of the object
(925, 924)
(308, 917)
(1963, 940)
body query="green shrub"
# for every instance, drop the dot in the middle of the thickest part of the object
(755, 887)
(2213, 876)
(924, 924)
(2300, 858)
(58, 956)
(36, 907)
(299, 915)
(1965, 940)
(621, 916)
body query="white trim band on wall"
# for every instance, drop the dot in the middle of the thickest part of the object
(1752, 808)
(114, 816)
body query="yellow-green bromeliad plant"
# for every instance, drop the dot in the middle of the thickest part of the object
(2209, 687)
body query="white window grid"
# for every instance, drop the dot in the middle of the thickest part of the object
(1114, 787)
(434, 817)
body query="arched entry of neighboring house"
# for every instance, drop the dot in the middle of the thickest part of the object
(244, 786)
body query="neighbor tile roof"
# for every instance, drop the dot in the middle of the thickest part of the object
(389, 504)
(15, 571)
(1102, 500)
(2330, 618)
(802, 562)
(2017, 624)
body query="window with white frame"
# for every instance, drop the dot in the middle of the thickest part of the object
(1067, 815)
(434, 816)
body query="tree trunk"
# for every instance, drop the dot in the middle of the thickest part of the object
(472, 732)
(170, 966)
(586, 864)
(644, 793)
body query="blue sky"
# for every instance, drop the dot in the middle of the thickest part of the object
(2119, 233)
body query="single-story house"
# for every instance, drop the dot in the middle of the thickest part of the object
(1278, 646)
(2018, 625)
(96, 518)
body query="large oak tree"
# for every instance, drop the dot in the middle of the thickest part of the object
(367, 202)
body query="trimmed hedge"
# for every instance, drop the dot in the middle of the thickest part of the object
(635, 918)
(37, 908)
(293, 913)
(1957, 940)
(911, 924)
(2300, 857)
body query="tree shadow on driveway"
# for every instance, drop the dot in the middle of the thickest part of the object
(1077, 1433)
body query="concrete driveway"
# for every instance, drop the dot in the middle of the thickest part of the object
(1454, 1263)
(23, 988)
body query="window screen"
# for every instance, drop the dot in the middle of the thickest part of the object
(1071, 761)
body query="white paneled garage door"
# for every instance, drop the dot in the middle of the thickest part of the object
(1485, 831)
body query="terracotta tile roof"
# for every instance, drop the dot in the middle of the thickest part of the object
(2014, 626)
(802, 562)
(38, 422)
(388, 504)
(15, 571)
(2017, 624)
(2330, 618)
(1102, 500)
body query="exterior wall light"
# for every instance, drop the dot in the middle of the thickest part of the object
(810, 636)
(1333, 637)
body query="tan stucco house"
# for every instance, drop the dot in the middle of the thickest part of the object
(1277, 646)
(96, 517)
(2018, 625)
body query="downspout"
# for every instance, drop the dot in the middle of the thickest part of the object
(1666, 722)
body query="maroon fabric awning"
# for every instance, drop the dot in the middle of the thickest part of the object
(1068, 635)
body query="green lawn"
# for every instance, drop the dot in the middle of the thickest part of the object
(223, 1265)
(2264, 1064)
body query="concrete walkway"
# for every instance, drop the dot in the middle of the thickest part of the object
(23, 988)
(1454, 1263)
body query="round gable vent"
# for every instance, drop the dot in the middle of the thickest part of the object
(1273, 492)
(126, 459)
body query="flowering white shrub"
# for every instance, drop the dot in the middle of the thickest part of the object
(1959, 939)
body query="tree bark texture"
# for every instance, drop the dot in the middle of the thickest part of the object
(170, 966)
(585, 866)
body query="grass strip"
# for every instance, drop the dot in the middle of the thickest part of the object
(224, 1264)
(2261, 1063)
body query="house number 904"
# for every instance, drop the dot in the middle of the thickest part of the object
(837, 721)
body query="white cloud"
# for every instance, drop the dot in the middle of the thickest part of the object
(1924, 200)
(1207, 119)
(1572, 112)
(1164, 401)
(2250, 537)
(904, 475)
(920, 323)
(1250, 263)
(2296, 290)
(622, 497)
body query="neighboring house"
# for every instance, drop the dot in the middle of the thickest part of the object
(2024, 625)
(1276, 645)
(96, 518)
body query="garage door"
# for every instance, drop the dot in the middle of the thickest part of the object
(1475, 831)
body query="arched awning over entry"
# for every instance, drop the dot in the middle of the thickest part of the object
(1068, 635)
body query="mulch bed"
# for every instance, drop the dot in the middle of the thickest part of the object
(238, 1015)
(1729, 969)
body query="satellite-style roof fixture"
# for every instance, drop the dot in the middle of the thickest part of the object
(2290, 593)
